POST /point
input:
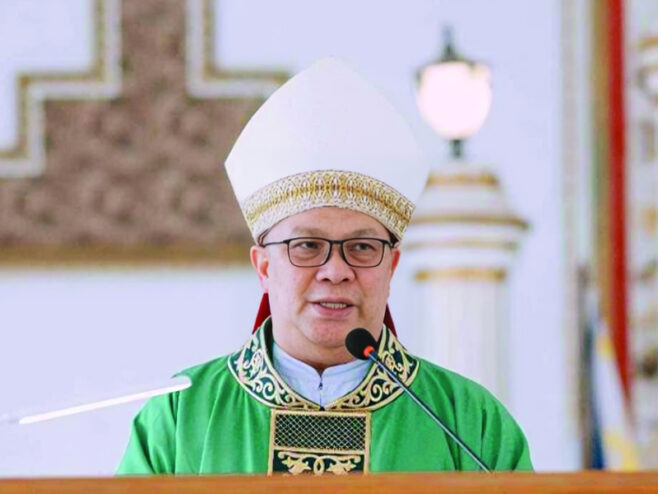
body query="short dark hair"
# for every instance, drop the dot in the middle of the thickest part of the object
(392, 237)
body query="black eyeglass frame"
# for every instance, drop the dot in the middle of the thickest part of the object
(341, 243)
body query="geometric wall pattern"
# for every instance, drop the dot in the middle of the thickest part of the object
(124, 162)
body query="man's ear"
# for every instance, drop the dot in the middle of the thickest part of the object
(261, 264)
(395, 252)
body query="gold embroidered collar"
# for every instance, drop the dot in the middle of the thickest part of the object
(253, 369)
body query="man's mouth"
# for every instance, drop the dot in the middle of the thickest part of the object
(334, 305)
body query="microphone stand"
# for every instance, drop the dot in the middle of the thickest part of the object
(373, 357)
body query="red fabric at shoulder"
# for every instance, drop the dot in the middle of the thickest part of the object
(388, 320)
(264, 313)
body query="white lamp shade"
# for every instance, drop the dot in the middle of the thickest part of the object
(454, 98)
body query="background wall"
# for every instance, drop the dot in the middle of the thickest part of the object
(71, 333)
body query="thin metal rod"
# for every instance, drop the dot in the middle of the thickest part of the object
(178, 384)
(375, 358)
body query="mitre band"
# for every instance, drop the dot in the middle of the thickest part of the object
(345, 189)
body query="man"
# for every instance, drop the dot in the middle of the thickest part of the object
(325, 173)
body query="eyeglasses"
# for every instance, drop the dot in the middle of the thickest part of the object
(311, 252)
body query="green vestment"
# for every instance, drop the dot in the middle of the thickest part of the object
(239, 416)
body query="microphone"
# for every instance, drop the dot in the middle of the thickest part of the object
(361, 344)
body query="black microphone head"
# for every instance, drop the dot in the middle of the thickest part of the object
(358, 340)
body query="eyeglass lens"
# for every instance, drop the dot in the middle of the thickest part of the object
(363, 252)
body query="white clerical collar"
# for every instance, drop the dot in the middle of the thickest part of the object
(334, 382)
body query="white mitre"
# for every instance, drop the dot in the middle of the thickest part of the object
(327, 138)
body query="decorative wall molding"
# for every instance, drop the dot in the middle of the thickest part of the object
(207, 79)
(124, 163)
(102, 80)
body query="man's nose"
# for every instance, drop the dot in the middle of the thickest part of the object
(336, 270)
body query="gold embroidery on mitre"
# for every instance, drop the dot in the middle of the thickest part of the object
(296, 193)
(253, 369)
(312, 442)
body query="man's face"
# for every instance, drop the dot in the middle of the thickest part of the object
(313, 309)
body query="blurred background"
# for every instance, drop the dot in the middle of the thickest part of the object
(531, 264)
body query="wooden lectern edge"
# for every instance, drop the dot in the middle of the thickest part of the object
(471, 483)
